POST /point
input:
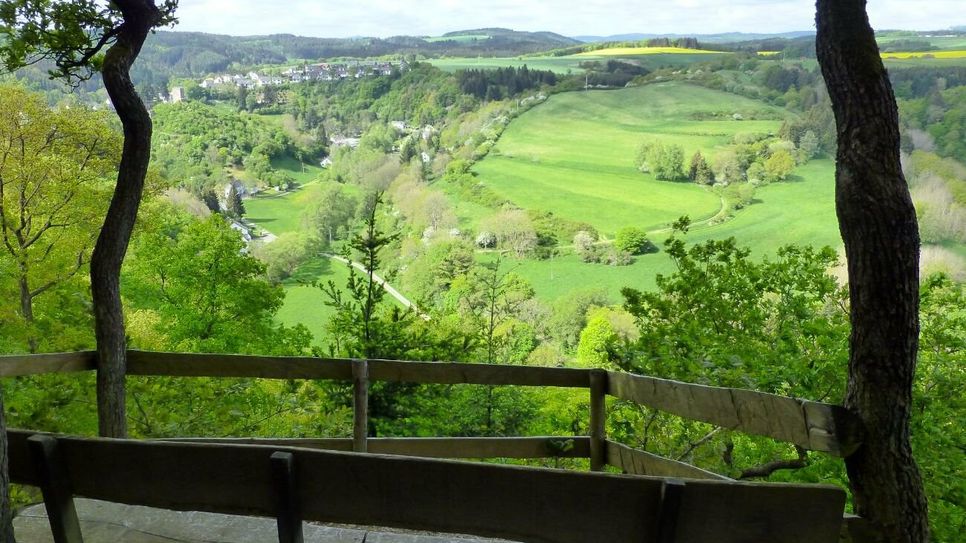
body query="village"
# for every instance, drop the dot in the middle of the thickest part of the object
(324, 71)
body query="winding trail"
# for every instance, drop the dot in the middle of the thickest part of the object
(381, 282)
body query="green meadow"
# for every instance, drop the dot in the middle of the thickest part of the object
(574, 156)
(571, 63)
(305, 302)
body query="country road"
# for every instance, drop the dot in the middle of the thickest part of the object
(382, 282)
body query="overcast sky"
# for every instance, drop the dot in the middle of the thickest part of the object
(381, 18)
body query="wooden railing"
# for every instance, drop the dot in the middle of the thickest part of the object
(810, 425)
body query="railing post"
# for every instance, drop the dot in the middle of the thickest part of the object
(360, 405)
(598, 418)
(287, 507)
(56, 488)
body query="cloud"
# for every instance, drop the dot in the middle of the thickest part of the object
(569, 17)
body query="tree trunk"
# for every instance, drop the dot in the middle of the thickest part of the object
(6, 512)
(878, 225)
(140, 16)
(27, 309)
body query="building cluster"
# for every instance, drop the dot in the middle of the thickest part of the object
(325, 71)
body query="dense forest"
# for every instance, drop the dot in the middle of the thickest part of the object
(385, 170)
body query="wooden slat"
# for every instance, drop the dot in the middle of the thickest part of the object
(360, 405)
(281, 367)
(433, 447)
(232, 365)
(55, 483)
(598, 419)
(479, 374)
(639, 462)
(287, 507)
(810, 425)
(34, 364)
(521, 504)
(720, 511)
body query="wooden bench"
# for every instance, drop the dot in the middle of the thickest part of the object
(510, 502)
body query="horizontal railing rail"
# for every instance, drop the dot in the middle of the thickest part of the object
(807, 424)
(521, 504)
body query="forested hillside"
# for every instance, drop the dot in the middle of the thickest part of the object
(667, 217)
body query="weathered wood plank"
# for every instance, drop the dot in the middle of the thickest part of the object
(479, 374)
(521, 504)
(432, 447)
(598, 419)
(287, 507)
(671, 497)
(55, 484)
(282, 367)
(34, 364)
(360, 404)
(719, 511)
(639, 462)
(808, 424)
(232, 365)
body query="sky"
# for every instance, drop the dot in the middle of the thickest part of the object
(382, 18)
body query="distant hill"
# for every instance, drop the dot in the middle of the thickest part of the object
(727, 37)
(196, 54)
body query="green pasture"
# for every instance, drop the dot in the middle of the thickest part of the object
(282, 212)
(800, 211)
(560, 65)
(574, 155)
(304, 302)
(571, 63)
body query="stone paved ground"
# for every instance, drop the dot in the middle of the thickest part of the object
(104, 522)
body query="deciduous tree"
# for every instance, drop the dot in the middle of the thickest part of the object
(54, 167)
(878, 225)
(80, 36)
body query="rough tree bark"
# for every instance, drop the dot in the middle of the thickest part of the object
(140, 16)
(878, 225)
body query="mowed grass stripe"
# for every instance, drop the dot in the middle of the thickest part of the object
(574, 155)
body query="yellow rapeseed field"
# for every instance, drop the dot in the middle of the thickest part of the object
(926, 54)
(631, 51)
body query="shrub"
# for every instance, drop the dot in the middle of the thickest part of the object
(633, 240)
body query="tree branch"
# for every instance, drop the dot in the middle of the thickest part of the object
(765, 470)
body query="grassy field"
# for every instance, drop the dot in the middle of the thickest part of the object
(305, 303)
(638, 51)
(800, 211)
(574, 155)
(571, 63)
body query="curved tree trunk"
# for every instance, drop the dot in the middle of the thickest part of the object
(140, 16)
(878, 225)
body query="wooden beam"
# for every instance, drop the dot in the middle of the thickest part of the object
(811, 425)
(54, 482)
(34, 364)
(360, 405)
(287, 510)
(667, 523)
(510, 502)
(232, 365)
(431, 447)
(640, 462)
(598, 419)
(476, 374)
